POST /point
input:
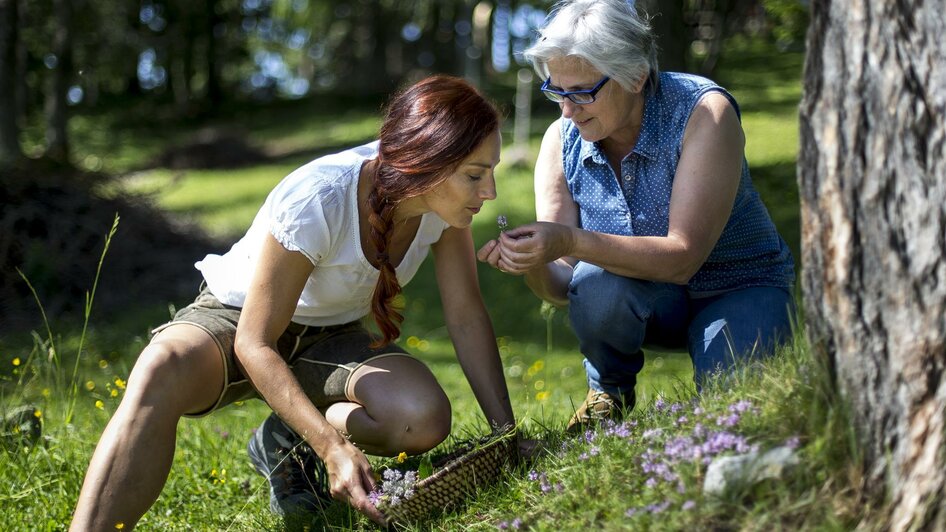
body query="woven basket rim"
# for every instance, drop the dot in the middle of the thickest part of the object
(503, 444)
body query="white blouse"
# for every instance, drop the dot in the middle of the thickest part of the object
(314, 210)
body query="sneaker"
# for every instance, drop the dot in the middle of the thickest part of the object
(599, 406)
(298, 481)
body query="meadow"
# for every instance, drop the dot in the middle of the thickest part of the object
(645, 474)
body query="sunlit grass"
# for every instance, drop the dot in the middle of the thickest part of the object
(212, 485)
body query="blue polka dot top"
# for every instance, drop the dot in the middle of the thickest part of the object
(749, 252)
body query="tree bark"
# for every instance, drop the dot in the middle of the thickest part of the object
(9, 131)
(872, 176)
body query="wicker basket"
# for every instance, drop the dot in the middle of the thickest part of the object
(466, 470)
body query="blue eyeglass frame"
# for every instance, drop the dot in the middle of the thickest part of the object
(545, 88)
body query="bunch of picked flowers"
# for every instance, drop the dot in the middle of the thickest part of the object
(395, 487)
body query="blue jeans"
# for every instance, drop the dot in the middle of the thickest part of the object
(615, 317)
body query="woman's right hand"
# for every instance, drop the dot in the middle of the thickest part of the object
(351, 479)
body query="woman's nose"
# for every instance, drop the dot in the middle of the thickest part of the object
(488, 190)
(568, 108)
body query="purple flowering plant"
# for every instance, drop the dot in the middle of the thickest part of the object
(670, 445)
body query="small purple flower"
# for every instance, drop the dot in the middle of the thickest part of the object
(688, 505)
(740, 407)
(728, 421)
(502, 525)
(697, 411)
(651, 482)
(658, 508)
(631, 512)
(793, 442)
(652, 433)
(682, 420)
(676, 407)
(533, 475)
(660, 404)
(516, 523)
(583, 456)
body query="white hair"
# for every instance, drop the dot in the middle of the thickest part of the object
(608, 34)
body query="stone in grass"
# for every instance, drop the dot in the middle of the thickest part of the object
(728, 472)
(20, 427)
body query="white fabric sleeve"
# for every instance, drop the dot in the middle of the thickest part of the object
(304, 226)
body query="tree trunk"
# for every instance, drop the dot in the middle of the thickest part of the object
(57, 139)
(9, 132)
(666, 19)
(873, 200)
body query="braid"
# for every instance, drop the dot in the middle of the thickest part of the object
(381, 213)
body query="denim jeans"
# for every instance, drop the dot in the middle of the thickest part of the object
(616, 317)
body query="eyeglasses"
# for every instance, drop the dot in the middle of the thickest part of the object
(581, 97)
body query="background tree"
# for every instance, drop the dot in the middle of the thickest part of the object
(9, 131)
(873, 190)
(59, 62)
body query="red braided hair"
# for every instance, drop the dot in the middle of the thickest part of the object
(428, 130)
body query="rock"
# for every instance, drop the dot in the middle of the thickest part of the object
(728, 472)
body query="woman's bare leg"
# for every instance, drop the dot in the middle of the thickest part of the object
(180, 371)
(398, 407)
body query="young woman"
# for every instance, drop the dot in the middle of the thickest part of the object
(649, 227)
(279, 318)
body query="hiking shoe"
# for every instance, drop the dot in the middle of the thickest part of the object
(298, 481)
(599, 406)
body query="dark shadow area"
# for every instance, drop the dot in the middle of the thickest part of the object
(53, 228)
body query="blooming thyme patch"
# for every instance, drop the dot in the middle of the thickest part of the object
(659, 459)
(395, 487)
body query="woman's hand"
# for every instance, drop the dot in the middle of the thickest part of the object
(528, 247)
(351, 480)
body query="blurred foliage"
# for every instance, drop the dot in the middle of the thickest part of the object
(186, 60)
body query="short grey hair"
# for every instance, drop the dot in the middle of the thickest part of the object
(608, 34)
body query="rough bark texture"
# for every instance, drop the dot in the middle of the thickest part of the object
(873, 194)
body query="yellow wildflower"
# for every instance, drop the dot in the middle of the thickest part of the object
(89, 385)
(542, 396)
(16, 361)
(119, 525)
(100, 405)
(401, 457)
(47, 392)
(103, 363)
(120, 383)
(114, 393)
(38, 413)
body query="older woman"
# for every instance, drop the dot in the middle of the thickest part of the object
(648, 226)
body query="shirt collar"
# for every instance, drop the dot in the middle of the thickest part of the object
(646, 141)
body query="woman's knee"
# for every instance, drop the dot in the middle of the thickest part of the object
(418, 424)
(599, 300)
(169, 376)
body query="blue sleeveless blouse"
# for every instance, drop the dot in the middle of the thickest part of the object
(749, 252)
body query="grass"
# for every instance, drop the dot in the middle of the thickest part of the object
(591, 482)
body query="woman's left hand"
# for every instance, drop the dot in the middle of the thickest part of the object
(534, 245)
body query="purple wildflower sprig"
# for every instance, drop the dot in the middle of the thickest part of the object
(395, 487)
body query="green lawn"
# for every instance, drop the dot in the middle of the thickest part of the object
(591, 483)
